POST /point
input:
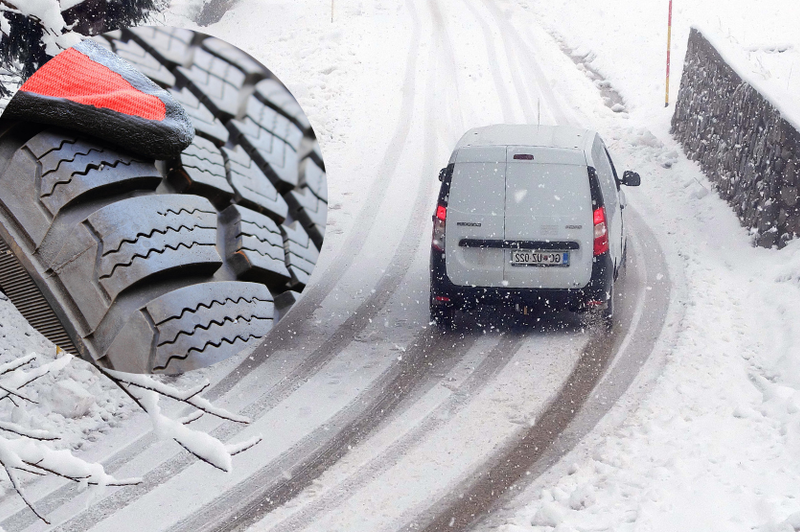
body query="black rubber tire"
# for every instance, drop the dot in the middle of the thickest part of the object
(443, 317)
(166, 266)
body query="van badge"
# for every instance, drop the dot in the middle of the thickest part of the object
(468, 224)
(572, 226)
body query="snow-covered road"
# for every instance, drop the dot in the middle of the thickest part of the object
(371, 419)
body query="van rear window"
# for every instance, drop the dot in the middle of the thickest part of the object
(478, 188)
(546, 189)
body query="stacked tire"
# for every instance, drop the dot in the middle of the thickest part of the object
(166, 266)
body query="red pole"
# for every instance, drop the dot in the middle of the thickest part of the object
(669, 35)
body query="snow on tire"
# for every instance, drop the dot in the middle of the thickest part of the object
(166, 266)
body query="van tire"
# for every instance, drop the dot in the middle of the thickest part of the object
(443, 317)
(165, 266)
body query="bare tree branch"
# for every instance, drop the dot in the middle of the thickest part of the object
(194, 416)
(235, 449)
(15, 393)
(34, 472)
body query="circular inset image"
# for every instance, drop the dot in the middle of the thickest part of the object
(163, 200)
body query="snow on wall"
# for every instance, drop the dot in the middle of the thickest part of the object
(742, 141)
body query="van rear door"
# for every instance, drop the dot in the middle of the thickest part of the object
(548, 208)
(475, 222)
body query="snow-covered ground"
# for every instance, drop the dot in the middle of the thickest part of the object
(708, 438)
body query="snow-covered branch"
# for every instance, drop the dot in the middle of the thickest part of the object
(36, 458)
(33, 434)
(46, 14)
(17, 363)
(190, 396)
(147, 391)
(25, 449)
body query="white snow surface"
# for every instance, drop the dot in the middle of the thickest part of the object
(708, 438)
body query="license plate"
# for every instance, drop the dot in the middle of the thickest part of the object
(533, 257)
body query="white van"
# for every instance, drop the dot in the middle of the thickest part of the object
(528, 216)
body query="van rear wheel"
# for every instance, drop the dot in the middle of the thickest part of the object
(443, 317)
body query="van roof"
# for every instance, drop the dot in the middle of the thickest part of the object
(563, 137)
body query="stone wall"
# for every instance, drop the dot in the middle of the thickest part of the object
(743, 144)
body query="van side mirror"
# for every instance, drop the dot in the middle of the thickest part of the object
(631, 179)
(442, 172)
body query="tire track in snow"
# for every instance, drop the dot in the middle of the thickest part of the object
(456, 117)
(607, 367)
(481, 376)
(499, 356)
(256, 507)
(487, 483)
(499, 86)
(514, 42)
(324, 457)
(269, 487)
(520, 87)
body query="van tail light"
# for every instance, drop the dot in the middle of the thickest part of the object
(438, 228)
(600, 231)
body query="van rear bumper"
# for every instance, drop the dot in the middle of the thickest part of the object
(445, 294)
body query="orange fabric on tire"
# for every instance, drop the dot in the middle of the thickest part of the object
(75, 77)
